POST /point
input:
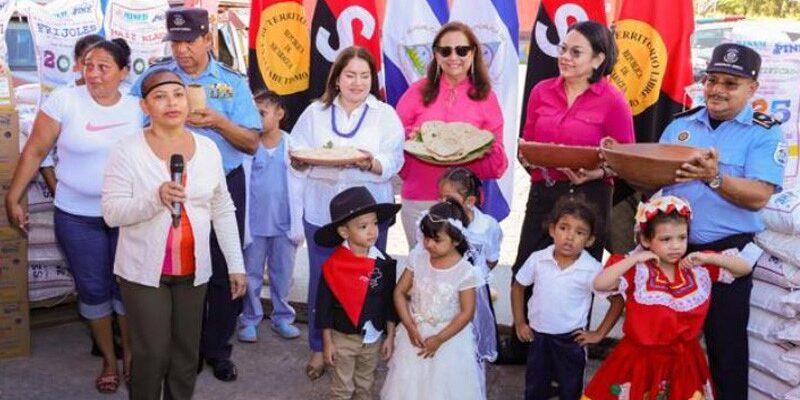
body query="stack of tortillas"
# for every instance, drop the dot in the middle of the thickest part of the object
(448, 143)
(331, 156)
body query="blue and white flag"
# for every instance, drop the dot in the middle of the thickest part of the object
(496, 24)
(408, 32)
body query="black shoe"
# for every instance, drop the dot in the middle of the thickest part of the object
(224, 370)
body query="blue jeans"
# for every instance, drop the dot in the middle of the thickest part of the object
(278, 252)
(89, 246)
(317, 255)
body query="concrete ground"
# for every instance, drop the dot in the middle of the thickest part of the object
(60, 366)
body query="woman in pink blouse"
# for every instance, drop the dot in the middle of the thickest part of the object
(579, 107)
(456, 88)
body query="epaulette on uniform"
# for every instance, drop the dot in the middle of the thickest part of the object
(764, 120)
(688, 112)
(230, 69)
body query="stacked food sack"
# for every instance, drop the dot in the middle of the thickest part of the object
(774, 326)
(49, 279)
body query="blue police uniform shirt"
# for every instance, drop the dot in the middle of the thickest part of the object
(226, 92)
(746, 150)
(269, 194)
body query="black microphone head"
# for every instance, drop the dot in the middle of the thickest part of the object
(176, 164)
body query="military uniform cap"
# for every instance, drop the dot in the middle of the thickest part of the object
(735, 59)
(185, 24)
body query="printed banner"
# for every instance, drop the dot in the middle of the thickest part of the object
(55, 28)
(654, 63)
(337, 25)
(779, 87)
(549, 29)
(6, 9)
(279, 53)
(141, 23)
(407, 38)
(496, 24)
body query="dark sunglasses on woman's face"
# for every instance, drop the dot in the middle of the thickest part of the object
(445, 51)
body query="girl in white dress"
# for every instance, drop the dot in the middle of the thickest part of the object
(484, 236)
(435, 346)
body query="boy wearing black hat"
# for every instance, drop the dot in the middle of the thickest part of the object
(354, 301)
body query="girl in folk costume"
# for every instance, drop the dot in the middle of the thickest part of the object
(435, 356)
(484, 236)
(667, 296)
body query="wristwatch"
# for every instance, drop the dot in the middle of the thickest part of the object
(715, 182)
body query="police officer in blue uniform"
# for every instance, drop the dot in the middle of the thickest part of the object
(231, 120)
(726, 187)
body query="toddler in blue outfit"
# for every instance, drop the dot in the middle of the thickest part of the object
(273, 229)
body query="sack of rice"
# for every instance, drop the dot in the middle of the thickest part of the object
(777, 272)
(792, 356)
(769, 297)
(765, 325)
(768, 385)
(782, 212)
(780, 245)
(790, 331)
(766, 357)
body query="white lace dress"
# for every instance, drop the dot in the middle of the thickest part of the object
(453, 372)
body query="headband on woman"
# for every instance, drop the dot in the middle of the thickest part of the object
(167, 81)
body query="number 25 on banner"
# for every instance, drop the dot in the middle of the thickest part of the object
(62, 62)
(564, 15)
(779, 109)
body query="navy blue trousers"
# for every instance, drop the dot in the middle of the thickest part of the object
(554, 358)
(221, 313)
(726, 326)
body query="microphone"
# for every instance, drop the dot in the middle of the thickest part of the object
(176, 171)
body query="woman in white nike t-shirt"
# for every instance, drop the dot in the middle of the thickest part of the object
(85, 122)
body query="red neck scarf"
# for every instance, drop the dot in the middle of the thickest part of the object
(348, 277)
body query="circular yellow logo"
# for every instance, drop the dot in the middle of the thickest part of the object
(641, 63)
(282, 48)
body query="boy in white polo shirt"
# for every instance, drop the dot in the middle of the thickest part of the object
(558, 310)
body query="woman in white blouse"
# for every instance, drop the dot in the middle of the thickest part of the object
(163, 263)
(348, 114)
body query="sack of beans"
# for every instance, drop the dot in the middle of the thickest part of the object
(782, 212)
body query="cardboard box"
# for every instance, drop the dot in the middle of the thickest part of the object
(13, 265)
(9, 144)
(15, 330)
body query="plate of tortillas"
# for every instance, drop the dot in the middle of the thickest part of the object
(449, 143)
(330, 155)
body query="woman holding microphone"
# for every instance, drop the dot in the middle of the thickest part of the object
(163, 259)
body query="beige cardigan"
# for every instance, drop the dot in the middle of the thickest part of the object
(130, 201)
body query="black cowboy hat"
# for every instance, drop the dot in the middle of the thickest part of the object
(350, 204)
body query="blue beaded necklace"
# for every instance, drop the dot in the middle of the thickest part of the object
(355, 130)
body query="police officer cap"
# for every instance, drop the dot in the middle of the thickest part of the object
(185, 24)
(735, 59)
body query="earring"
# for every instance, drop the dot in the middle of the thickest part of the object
(472, 70)
(438, 71)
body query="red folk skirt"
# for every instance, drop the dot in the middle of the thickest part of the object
(675, 372)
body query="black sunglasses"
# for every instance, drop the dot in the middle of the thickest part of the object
(445, 51)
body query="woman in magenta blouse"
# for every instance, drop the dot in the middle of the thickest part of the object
(579, 107)
(456, 88)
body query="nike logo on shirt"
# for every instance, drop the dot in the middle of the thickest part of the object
(97, 128)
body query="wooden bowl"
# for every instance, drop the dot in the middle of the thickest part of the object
(559, 155)
(648, 165)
